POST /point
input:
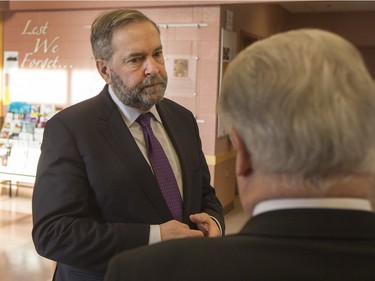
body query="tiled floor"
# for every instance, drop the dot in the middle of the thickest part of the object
(18, 259)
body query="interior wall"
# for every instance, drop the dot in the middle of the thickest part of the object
(263, 20)
(259, 20)
(59, 41)
(1, 69)
(357, 27)
(55, 58)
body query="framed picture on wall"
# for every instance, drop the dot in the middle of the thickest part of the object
(183, 80)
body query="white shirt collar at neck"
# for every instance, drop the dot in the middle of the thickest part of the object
(331, 203)
(130, 114)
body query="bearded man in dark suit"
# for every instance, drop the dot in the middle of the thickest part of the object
(95, 192)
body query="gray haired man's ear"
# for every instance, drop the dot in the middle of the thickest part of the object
(243, 159)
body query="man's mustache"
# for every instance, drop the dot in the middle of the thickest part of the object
(153, 81)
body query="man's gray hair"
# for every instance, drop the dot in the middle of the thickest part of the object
(304, 104)
(105, 24)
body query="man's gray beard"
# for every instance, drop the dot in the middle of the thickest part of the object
(138, 97)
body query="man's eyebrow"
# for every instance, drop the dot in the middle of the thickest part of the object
(135, 54)
(160, 48)
(140, 53)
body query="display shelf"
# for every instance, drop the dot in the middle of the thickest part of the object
(19, 159)
(15, 178)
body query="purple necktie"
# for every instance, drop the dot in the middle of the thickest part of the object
(161, 167)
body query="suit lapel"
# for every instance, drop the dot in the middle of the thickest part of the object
(118, 136)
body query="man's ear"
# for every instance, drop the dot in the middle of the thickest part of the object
(243, 159)
(102, 66)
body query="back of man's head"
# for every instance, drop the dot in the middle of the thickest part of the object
(303, 103)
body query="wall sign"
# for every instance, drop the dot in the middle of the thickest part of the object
(45, 52)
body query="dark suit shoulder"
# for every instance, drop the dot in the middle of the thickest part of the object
(100, 105)
(171, 107)
(301, 254)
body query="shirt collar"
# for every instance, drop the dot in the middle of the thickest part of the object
(130, 114)
(307, 203)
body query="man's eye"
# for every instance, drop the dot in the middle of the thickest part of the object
(159, 57)
(134, 60)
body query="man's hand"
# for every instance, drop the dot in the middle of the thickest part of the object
(206, 224)
(174, 229)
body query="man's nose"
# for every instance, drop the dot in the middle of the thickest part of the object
(152, 67)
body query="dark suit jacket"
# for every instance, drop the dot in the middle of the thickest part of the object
(95, 195)
(290, 245)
